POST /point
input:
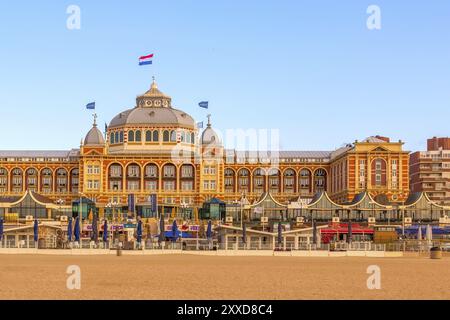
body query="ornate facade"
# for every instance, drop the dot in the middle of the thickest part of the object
(155, 148)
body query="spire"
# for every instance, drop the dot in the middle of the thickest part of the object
(154, 85)
(95, 120)
(209, 120)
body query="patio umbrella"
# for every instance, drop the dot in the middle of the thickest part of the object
(209, 230)
(280, 237)
(1, 229)
(419, 233)
(69, 231)
(76, 230)
(429, 234)
(314, 227)
(139, 231)
(244, 233)
(94, 236)
(105, 231)
(174, 231)
(36, 231)
(350, 234)
(161, 237)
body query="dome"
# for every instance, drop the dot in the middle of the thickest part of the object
(153, 108)
(209, 136)
(153, 116)
(94, 137)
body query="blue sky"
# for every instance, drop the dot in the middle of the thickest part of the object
(311, 69)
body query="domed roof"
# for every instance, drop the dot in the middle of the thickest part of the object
(153, 108)
(153, 115)
(94, 136)
(209, 136)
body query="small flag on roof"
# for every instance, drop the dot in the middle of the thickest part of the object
(200, 125)
(203, 104)
(90, 106)
(144, 60)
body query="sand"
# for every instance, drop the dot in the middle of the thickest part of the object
(214, 277)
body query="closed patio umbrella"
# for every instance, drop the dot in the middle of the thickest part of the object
(162, 236)
(349, 233)
(94, 236)
(209, 230)
(1, 229)
(244, 233)
(314, 230)
(105, 231)
(69, 230)
(280, 236)
(419, 233)
(174, 231)
(139, 231)
(429, 234)
(36, 232)
(76, 230)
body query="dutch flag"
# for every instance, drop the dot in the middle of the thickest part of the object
(144, 60)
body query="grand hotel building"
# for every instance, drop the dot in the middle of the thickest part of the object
(155, 148)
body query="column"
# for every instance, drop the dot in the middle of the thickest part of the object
(260, 243)
(296, 243)
(49, 213)
(284, 242)
(101, 213)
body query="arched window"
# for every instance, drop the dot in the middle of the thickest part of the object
(131, 136)
(182, 136)
(192, 137)
(155, 136)
(166, 136)
(3, 180)
(121, 136)
(173, 136)
(138, 136)
(188, 137)
(148, 136)
(111, 138)
(116, 137)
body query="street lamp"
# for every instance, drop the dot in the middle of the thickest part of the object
(60, 202)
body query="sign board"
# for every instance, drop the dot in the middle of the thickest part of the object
(286, 226)
(258, 210)
(194, 228)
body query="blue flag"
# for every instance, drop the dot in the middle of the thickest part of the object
(200, 125)
(203, 104)
(90, 106)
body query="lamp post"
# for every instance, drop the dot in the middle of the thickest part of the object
(60, 202)
(242, 208)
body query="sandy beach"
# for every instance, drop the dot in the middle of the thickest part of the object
(215, 277)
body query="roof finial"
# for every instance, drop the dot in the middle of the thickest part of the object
(209, 120)
(95, 119)
(154, 86)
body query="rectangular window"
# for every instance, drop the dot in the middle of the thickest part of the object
(169, 172)
(151, 185)
(115, 185)
(186, 172)
(133, 185)
(150, 171)
(93, 184)
(187, 185)
(169, 185)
